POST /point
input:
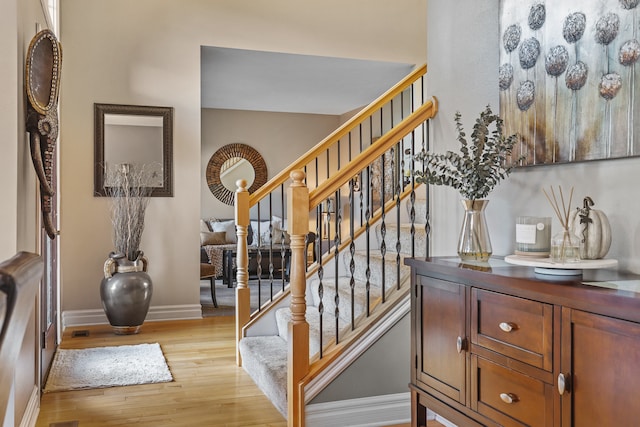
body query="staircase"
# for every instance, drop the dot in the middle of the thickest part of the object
(265, 357)
(356, 192)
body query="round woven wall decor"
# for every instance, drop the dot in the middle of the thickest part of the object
(225, 153)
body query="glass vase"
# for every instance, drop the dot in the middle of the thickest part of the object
(565, 247)
(474, 243)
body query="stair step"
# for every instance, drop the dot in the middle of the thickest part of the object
(344, 293)
(375, 267)
(264, 358)
(420, 207)
(283, 317)
(391, 238)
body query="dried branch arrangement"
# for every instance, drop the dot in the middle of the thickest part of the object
(129, 190)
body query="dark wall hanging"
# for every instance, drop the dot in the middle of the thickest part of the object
(42, 84)
(567, 78)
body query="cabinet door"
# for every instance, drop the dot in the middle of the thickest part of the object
(441, 358)
(600, 360)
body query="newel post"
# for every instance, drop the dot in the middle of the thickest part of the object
(243, 294)
(298, 329)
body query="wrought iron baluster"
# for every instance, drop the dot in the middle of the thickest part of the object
(271, 235)
(259, 259)
(352, 252)
(320, 273)
(283, 247)
(383, 227)
(367, 216)
(398, 191)
(336, 246)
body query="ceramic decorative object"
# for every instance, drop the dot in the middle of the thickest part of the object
(474, 243)
(126, 288)
(593, 230)
(125, 292)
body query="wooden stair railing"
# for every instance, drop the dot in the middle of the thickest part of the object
(301, 202)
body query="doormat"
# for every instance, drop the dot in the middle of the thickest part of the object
(101, 367)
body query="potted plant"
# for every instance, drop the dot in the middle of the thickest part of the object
(126, 288)
(474, 172)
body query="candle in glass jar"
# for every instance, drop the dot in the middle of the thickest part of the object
(533, 236)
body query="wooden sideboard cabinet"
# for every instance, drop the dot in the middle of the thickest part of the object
(499, 345)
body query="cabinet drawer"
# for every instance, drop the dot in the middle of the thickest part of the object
(515, 327)
(509, 397)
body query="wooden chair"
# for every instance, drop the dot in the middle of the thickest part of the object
(208, 271)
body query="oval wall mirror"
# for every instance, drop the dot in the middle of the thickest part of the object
(233, 162)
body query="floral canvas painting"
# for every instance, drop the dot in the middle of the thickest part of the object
(567, 79)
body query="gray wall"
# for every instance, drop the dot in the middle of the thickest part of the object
(382, 369)
(463, 48)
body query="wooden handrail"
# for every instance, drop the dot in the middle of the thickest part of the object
(373, 152)
(332, 138)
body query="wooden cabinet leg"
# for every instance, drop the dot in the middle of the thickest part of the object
(418, 411)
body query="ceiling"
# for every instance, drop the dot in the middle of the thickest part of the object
(238, 79)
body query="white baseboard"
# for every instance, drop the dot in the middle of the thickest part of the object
(373, 411)
(30, 416)
(156, 313)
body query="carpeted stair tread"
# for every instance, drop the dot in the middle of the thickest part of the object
(375, 267)
(344, 293)
(391, 238)
(264, 358)
(283, 316)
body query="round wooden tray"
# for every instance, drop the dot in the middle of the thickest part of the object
(547, 266)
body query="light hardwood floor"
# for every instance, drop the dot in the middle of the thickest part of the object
(208, 388)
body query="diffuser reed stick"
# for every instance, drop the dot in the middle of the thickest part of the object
(564, 247)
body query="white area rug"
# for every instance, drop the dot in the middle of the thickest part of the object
(101, 367)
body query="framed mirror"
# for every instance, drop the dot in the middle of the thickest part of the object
(135, 137)
(233, 162)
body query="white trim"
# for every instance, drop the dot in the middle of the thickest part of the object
(30, 416)
(443, 421)
(372, 411)
(315, 386)
(156, 313)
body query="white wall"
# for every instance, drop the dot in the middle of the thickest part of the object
(147, 52)
(463, 74)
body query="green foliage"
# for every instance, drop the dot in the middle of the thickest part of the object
(481, 164)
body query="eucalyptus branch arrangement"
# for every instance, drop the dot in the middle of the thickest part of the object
(129, 190)
(481, 164)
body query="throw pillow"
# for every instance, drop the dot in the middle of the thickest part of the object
(204, 226)
(229, 227)
(213, 238)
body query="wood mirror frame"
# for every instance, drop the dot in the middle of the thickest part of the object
(224, 154)
(165, 189)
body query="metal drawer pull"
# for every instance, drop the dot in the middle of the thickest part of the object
(459, 344)
(563, 383)
(508, 397)
(508, 326)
